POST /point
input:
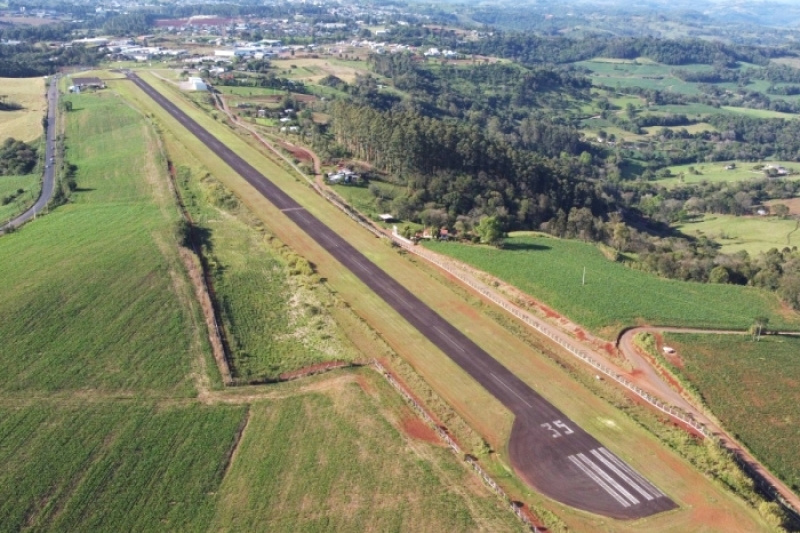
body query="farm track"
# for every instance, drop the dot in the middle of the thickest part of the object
(548, 450)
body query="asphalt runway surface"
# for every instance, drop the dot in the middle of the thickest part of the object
(48, 180)
(548, 450)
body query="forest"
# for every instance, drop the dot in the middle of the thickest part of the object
(16, 158)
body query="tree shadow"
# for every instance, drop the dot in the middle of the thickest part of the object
(524, 246)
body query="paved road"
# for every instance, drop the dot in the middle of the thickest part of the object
(547, 449)
(48, 181)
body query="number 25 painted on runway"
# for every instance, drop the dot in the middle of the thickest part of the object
(560, 425)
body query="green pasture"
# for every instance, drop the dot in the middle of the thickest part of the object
(716, 172)
(753, 234)
(752, 387)
(759, 113)
(614, 296)
(10, 186)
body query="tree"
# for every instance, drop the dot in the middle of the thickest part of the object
(622, 234)
(719, 274)
(489, 230)
(67, 105)
(780, 210)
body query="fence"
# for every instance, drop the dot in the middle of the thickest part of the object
(454, 447)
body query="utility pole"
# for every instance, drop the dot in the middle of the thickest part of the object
(583, 282)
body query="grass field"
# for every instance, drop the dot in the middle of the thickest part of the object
(112, 466)
(9, 186)
(24, 124)
(101, 267)
(716, 172)
(312, 69)
(754, 389)
(249, 91)
(753, 234)
(614, 296)
(759, 113)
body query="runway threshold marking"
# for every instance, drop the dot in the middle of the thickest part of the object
(599, 481)
(633, 473)
(622, 475)
(608, 479)
(504, 384)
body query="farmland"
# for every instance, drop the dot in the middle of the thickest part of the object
(753, 234)
(114, 318)
(614, 296)
(10, 186)
(24, 124)
(752, 387)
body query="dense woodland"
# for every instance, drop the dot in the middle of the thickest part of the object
(17, 158)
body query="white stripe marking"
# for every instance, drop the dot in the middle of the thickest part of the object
(394, 293)
(449, 339)
(599, 471)
(621, 475)
(599, 481)
(292, 209)
(503, 383)
(633, 473)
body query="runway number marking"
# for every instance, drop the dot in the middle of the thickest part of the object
(565, 429)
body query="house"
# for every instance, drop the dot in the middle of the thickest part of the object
(195, 84)
(87, 83)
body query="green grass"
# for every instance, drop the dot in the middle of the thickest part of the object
(716, 172)
(614, 296)
(113, 467)
(753, 234)
(759, 113)
(334, 462)
(88, 294)
(9, 185)
(249, 91)
(754, 389)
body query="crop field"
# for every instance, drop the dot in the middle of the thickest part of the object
(646, 75)
(614, 296)
(88, 293)
(753, 388)
(312, 70)
(113, 466)
(753, 234)
(9, 188)
(351, 469)
(716, 172)
(23, 124)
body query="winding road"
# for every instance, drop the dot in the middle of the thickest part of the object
(48, 180)
(547, 449)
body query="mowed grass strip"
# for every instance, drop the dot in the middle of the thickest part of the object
(753, 388)
(113, 466)
(336, 461)
(614, 295)
(89, 295)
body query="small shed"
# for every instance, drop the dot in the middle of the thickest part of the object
(196, 84)
(386, 217)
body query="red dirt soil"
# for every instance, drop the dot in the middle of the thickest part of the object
(417, 429)
(299, 153)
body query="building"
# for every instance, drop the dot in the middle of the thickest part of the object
(78, 84)
(195, 84)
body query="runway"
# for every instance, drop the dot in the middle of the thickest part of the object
(548, 450)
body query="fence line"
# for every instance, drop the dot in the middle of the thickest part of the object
(454, 447)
